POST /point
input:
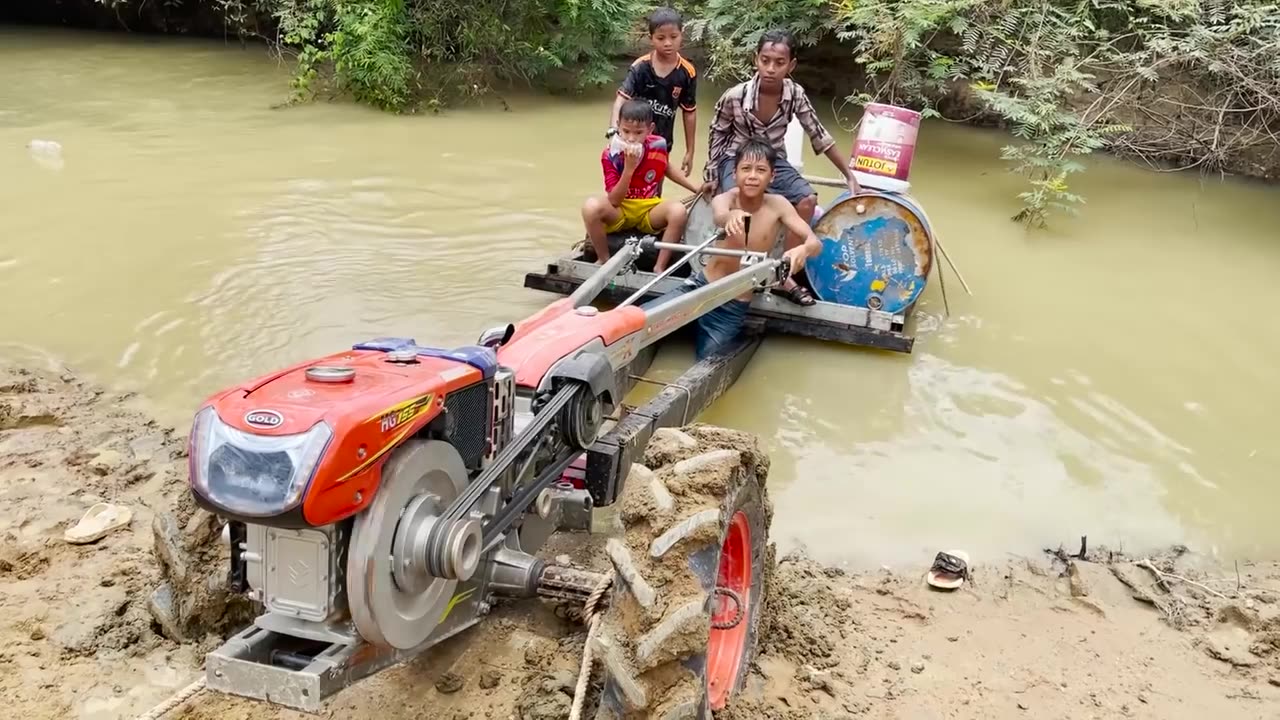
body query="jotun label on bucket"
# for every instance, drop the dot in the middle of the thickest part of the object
(886, 141)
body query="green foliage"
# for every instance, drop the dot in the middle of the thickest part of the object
(892, 41)
(370, 52)
(730, 29)
(1190, 83)
(1052, 135)
(389, 53)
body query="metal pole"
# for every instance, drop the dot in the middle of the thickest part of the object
(672, 315)
(600, 279)
(678, 247)
(676, 266)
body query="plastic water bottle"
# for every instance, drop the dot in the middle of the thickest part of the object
(45, 147)
(46, 152)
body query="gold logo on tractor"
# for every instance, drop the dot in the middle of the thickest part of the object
(405, 412)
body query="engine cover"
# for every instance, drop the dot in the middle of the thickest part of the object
(372, 399)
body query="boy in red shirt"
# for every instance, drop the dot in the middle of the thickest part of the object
(634, 165)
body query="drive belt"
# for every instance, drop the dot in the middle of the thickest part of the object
(527, 440)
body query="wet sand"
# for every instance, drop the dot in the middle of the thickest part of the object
(83, 635)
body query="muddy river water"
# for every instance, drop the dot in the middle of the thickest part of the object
(1115, 376)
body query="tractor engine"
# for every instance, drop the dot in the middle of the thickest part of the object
(334, 476)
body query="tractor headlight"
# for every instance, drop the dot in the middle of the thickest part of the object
(253, 475)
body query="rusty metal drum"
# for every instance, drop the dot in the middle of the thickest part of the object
(878, 259)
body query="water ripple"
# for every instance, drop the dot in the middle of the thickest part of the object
(333, 261)
(976, 461)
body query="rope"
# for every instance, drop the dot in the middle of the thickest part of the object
(737, 610)
(174, 701)
(589, 609)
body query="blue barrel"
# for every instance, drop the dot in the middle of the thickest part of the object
(879, 259)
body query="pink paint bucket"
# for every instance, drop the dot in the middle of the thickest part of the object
(886, 142)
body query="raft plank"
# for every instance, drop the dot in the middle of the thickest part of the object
(822, 321)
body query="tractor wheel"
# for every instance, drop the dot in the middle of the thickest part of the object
(679, 637)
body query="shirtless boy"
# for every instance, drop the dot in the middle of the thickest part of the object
(754, 165)
(763, 107)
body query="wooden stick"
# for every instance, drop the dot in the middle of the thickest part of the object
(834, 182)
(1160, 578)
(942, 283)
(954, 269)
(829, 182)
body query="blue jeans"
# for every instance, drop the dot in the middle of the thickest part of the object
(715, 330)
(786, 182)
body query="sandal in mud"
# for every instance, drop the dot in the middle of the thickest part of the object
(98, 522)
(797, 294)
(950, 570)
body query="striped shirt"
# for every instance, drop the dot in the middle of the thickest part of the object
(734, 123)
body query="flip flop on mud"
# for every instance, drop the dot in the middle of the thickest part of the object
(950, 570)
(97, 522)
(797, 294)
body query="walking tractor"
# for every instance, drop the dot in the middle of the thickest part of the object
(381, 499)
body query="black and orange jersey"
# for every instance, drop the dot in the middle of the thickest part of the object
(677, 89)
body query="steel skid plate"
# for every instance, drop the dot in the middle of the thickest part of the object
(394, 601)
(302, 674)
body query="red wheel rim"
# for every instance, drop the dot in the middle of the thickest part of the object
(725, 648)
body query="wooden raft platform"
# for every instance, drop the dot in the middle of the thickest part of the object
(823, 321)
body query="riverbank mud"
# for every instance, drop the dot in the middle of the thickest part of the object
(108, 629)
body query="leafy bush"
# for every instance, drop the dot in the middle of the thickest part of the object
(388, 53)
(1182, 83)
(730, 29)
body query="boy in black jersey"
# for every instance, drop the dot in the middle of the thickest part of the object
(666, 80)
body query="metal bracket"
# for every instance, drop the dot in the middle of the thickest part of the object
(594, 371)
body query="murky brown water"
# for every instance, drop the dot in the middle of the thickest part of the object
(1114, 377)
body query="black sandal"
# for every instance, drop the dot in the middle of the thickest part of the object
(798, 294)
(948, 571)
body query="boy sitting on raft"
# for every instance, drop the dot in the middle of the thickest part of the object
(634, 164)
(753, 169)
(762, 107)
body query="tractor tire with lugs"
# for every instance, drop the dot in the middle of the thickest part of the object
(691, 569)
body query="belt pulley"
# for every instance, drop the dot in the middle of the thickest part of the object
(579, 417)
